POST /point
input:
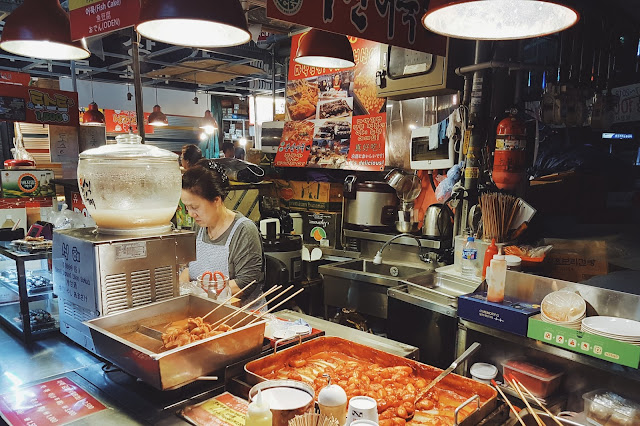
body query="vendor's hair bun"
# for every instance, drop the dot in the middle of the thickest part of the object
(206, 179)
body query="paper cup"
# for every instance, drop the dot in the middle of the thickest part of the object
(362, 408)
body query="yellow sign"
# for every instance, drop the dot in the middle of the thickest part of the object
(77, 4)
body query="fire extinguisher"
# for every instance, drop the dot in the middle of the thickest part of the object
(509, 161)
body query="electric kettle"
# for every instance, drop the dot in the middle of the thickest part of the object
(438, 222)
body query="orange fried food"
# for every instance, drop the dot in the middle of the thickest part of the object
(196, 329)
(394, 388)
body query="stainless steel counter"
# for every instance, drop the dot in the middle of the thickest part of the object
(368, 339)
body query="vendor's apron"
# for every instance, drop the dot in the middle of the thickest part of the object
(213, 257)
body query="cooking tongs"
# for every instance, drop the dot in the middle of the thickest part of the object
(466, 354)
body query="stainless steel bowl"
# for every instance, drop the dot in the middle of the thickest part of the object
(408, 227)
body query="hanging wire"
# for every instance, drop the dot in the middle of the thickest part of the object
(92, 97)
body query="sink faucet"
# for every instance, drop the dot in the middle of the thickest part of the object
(377, 259)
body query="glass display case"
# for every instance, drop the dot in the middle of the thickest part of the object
(28, 306)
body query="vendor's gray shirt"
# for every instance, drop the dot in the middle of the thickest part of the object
(245, 255)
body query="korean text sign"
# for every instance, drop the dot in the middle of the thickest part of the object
(58, 401)
(93, 17)
(38, 105)
(395, 22)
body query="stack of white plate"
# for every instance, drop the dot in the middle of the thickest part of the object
(564, 308)
(620, 329)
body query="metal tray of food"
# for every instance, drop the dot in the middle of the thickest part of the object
(301, 362)
(122, 339)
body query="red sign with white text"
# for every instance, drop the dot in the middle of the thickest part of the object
(37, 105)
(366, 151)
(93, 17)
(323, 105)
(118, 121)
(58, 402)
(11, 77)
(394, 22)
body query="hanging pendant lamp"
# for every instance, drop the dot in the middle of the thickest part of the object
(318, 48)
(157, 117)
(40, 29)
(209, 124)
(93, 116)
(499, 19)
(194, 23)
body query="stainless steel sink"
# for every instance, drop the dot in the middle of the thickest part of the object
(388, 270)
(362, 285)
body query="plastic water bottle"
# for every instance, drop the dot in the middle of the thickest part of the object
(470, 259)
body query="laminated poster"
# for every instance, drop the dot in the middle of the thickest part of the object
(333, 118)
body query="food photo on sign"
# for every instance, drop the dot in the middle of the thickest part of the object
(322, 107)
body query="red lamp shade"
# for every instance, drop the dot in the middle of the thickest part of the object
(498, 19)
(93, 116)
(319, 48)
(157, 117)
(209, 124)
(41, 29)
(194, 23)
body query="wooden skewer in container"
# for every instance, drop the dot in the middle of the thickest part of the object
(498, 212)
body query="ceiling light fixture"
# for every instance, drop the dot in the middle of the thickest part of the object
(209, 124)
(93, 116)
(157, 117)
(318, 48)
(499, 19)
(40, 29)
(194, 23)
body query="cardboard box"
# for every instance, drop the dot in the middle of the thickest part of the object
(584, 343)
(322, 228)
(27, 183)
(319, 196)
(576, 260)
(511, 315)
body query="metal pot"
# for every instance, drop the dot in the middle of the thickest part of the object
(438, 222)
(369, 205)
(394, 177)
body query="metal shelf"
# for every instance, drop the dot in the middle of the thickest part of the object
(407, 241)
(609, 367)
(31, 297)
(8, 313)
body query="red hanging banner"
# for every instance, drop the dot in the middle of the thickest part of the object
(394, 22)
(92, 17)
(324, 105)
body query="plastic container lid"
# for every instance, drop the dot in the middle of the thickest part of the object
(470, 239)
(512, 260)
(484, 371)
(498, 257)
(128, 147)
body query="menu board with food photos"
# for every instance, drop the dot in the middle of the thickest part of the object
(333, 118)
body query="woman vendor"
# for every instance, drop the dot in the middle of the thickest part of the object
(226, 241)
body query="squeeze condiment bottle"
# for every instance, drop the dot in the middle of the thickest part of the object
(332, 401)
(491, 251)
(496, 279)
(258, 413)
